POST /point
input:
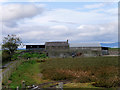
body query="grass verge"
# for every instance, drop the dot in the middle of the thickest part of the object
(29, 72)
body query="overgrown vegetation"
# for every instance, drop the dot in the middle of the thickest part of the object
(97, 71)
(28, 55)
(103, 71)
(29, 72)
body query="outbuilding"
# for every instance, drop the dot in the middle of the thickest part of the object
(87, 49)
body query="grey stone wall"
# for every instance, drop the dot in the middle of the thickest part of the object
(113, 52)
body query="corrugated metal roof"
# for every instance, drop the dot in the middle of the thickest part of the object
(85, 45)
(56, 44)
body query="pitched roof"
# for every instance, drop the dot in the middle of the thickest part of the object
(85, 45)
(56, 44)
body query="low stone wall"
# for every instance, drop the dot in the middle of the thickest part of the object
(113, 52)
(70, 53)
(6, 73)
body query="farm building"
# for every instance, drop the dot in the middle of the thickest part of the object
(35, 47)
(64, 49)
(105, 50)
(56, 46)
(86, 49)
(57, 49)
(89, 49)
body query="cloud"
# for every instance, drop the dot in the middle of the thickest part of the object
(59, 27)
(100, 32)
(113, 11)
(92, 6)
(82, 33)
(61, 24)
(13, 12)
(70, 17)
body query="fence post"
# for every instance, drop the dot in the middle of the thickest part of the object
(17, 88)
(23, 84)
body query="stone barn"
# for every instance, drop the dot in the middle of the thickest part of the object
(86, 49)
(64, 49)
(57, 49)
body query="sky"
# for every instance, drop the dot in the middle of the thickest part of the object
(39, 22)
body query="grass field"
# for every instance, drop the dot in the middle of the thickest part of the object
(101, 70)
(89, 72)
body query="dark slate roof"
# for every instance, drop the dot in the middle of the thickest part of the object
(35, 46)
(56, 44)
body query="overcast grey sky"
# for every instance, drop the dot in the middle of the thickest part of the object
(48, 21)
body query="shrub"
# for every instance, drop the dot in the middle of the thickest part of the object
(26, 55)
(33, 55)
(43, 56)
(15, 56)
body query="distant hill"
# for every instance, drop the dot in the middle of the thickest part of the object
(21, 48)
(112, 45)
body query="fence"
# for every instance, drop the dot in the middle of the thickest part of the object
(6, 73)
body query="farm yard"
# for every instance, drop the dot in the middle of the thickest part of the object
(84, 72)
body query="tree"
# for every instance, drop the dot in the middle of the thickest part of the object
(10, 45)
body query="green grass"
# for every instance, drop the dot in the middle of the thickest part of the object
(79, 85)
(84, 86)
(29, 72)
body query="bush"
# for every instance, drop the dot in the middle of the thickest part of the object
(26, 55)
(43, 56)
(15, 56)
(33, 55)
